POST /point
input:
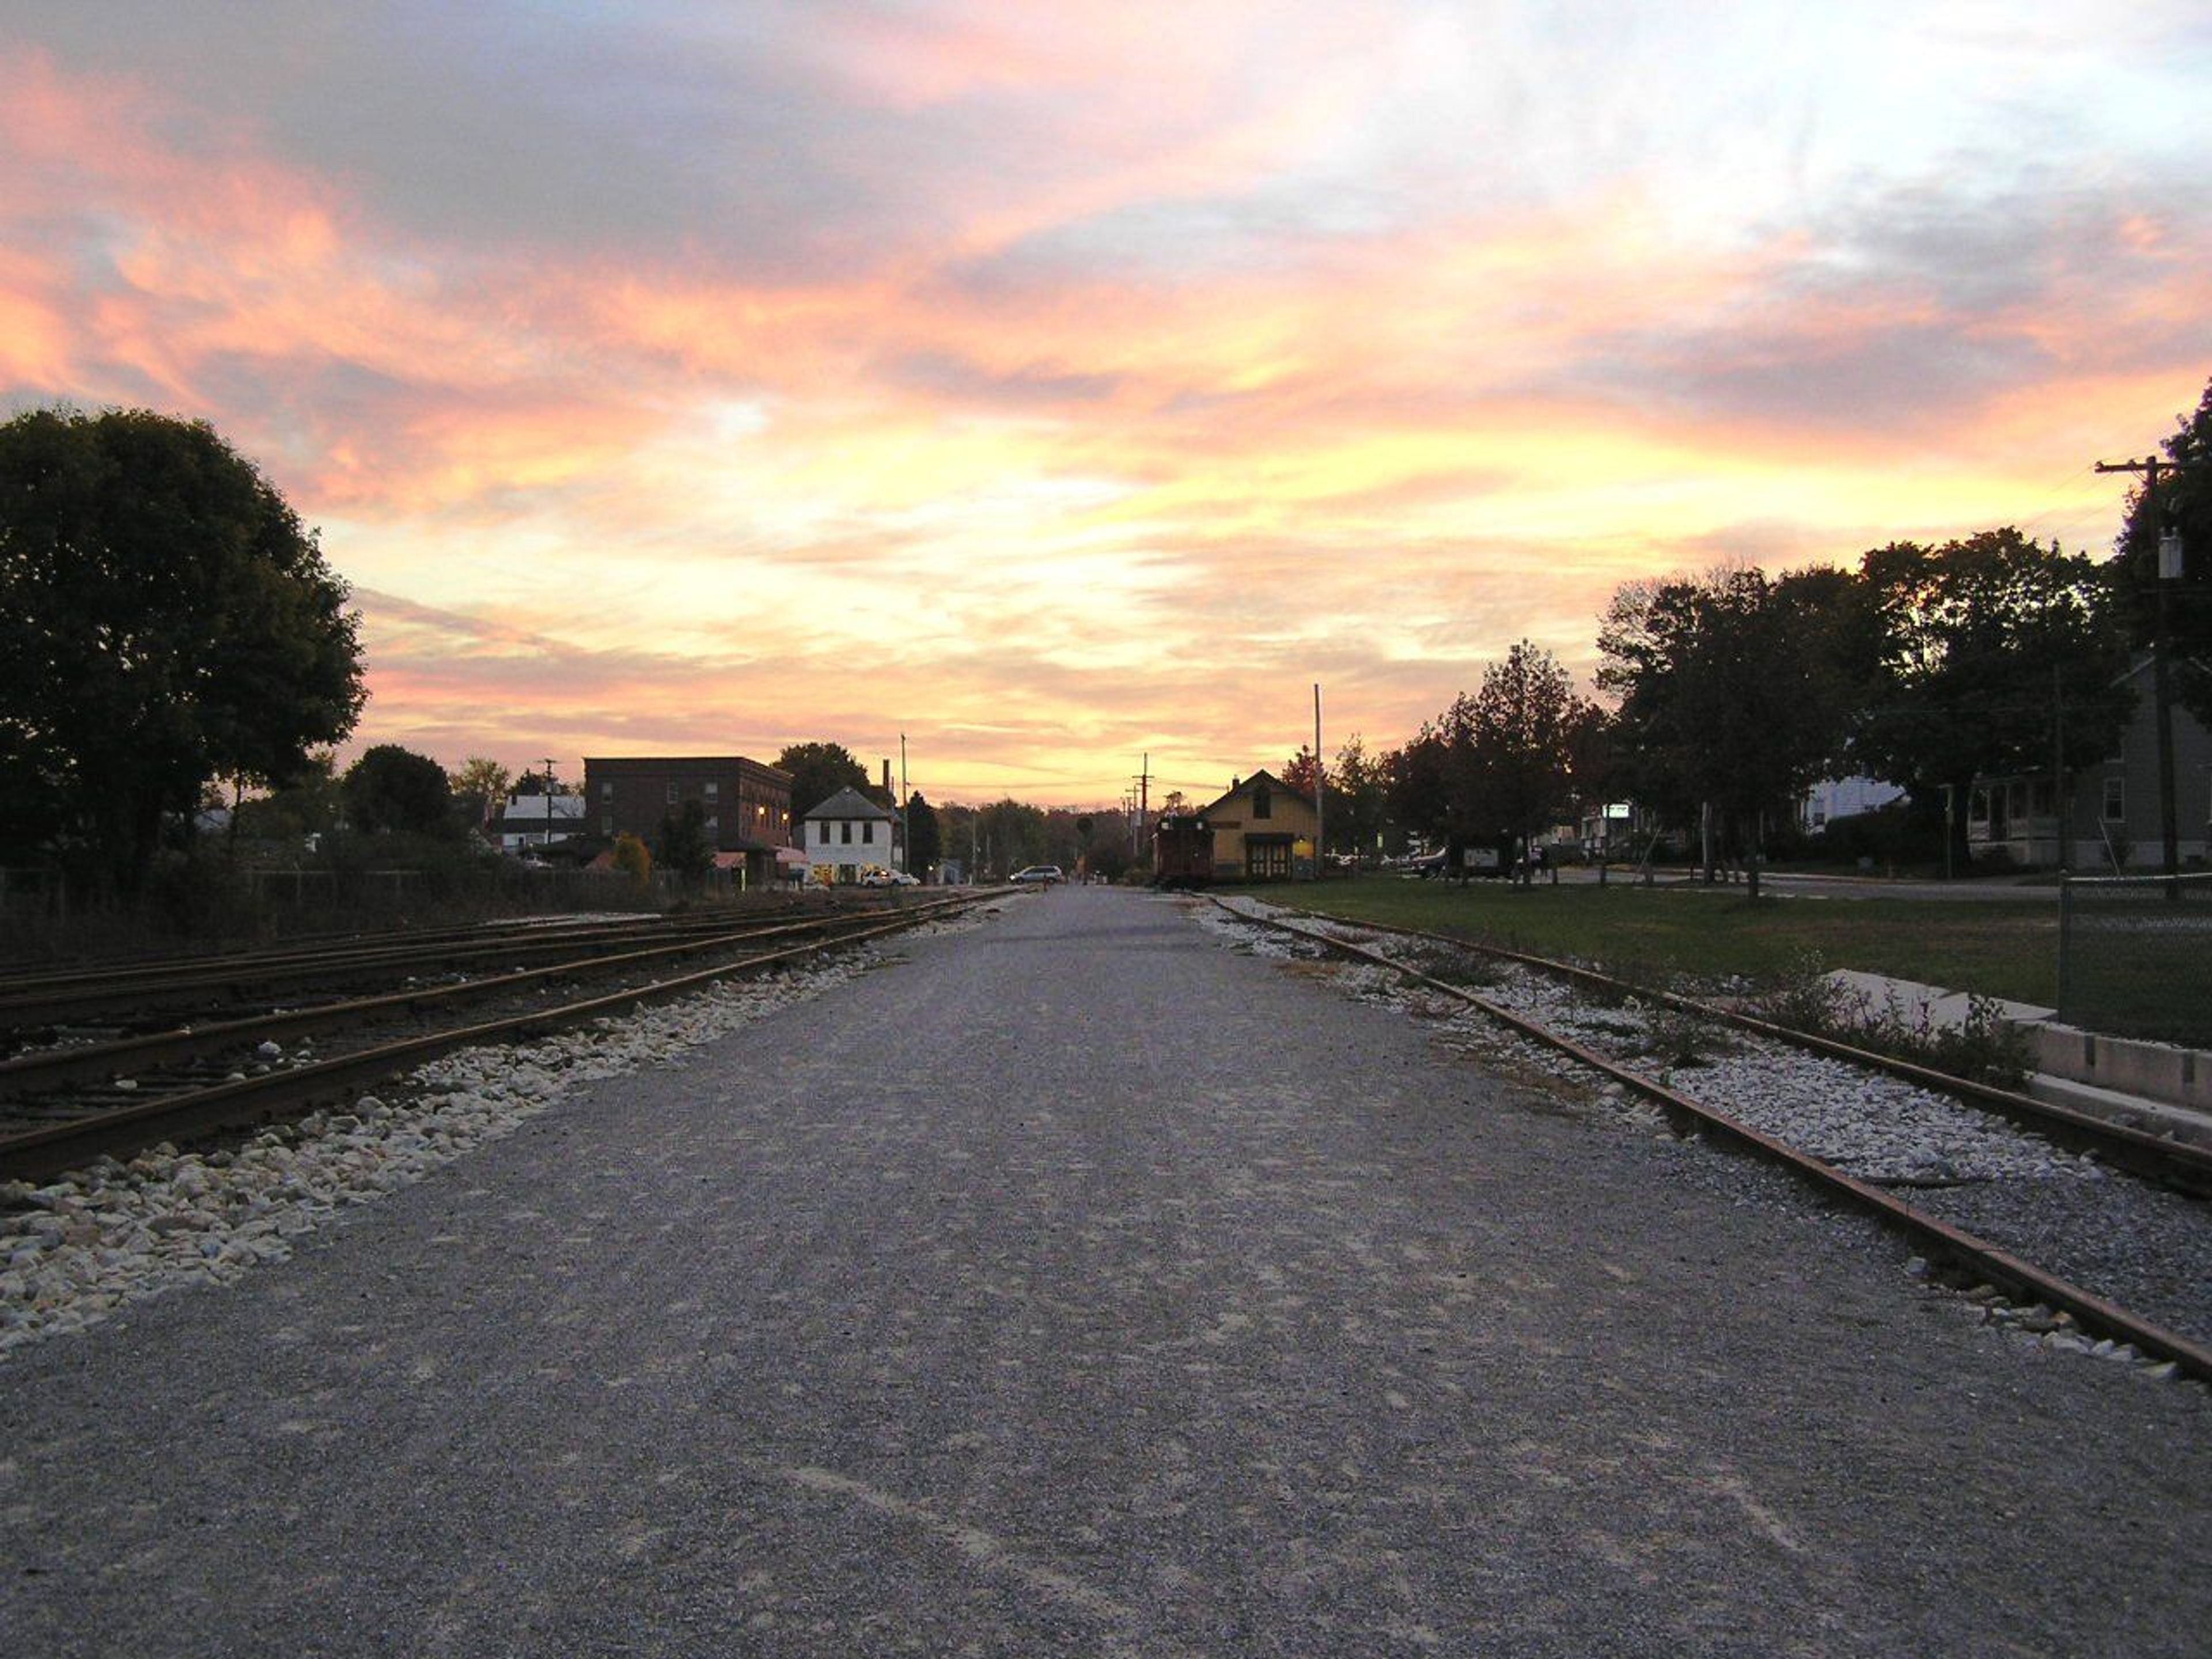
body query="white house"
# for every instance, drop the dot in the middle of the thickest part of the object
(1843, 798)
(849, 832)
(528, 821)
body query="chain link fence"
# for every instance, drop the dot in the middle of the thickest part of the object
(2135, 957)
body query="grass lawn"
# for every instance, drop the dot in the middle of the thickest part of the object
(1996, 947)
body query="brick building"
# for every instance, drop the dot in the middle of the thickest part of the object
(747, 805)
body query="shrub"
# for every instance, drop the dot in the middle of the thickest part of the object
(634, 860)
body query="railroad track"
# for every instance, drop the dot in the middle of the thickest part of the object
(190, 1081)
(148, 990)
(1967, 1255)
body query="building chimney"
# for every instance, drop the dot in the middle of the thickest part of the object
(887, 777)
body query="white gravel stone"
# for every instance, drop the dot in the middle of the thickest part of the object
(2120, 1237)
(103, 1237)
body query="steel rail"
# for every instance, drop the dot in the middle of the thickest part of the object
(36, 1154)
(41, 1005)
(309, 946)
(52, 1067)
(2180, 1164)
(1939, 1239)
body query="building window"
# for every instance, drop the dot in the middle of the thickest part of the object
(820, 834)
(868, 833)
(606, 823)
(713, 823)
(607, 793)
(2115, 800)
(1263, 803)
(847, 826)
(713, 790)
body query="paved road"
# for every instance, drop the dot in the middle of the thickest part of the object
(1080, 1286)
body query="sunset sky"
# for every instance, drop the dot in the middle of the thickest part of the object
(1056, 383)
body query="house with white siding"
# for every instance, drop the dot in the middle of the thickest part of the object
(849, 832)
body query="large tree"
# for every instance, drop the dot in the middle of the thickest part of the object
(682, 844)
(165, 620)
(1736, 691)
(1356, 803)
(2181, 506)
(819, 770)
(1983, 642)
(1524, 718)
(391, 790)
(925, 837)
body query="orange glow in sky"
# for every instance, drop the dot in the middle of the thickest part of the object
(1057, 385)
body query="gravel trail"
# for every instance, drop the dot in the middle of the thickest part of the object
(1075, 1284)
(2130, 1241)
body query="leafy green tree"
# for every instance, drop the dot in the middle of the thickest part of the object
(682, 844)
(1523, 721)
(164, 619)
(1300, 771)
(2182, 507)
(1012, 835)
(1357, 804)
(391, 790)
(1982, 641)
(925, 840)
(819, 770)
(1735, 691)
(309, 803)
(480, 787)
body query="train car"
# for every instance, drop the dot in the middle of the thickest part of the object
(1183, 850)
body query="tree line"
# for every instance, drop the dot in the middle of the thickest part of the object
(170, 633)
(1732, 692)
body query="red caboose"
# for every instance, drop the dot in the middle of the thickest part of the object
(1183, 850)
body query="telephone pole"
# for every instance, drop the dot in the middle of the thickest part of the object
(1144, 808)
(549, 801)
(1320, 840)
(2169, 571)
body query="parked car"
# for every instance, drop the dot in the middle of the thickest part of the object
(1037, 875)
(876, 876)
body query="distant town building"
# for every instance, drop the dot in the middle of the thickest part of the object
(1844, 798)
(528, 821)
(849, 832)
(2111, 817)
(746, 805)
(1262, 831)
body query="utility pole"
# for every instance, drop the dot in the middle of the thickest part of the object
(1321, 841)
(2062, 798)
(906, 846)
(549, 801)
(1144, 808)
(2169, 570)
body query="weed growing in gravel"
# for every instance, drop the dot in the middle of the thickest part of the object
(1984, 1046)
(1461, 967)
(1679, 1036)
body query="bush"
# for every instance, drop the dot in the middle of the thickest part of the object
(1894, 834)
(634, 859)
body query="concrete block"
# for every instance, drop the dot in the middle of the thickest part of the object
(2154, 1071)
